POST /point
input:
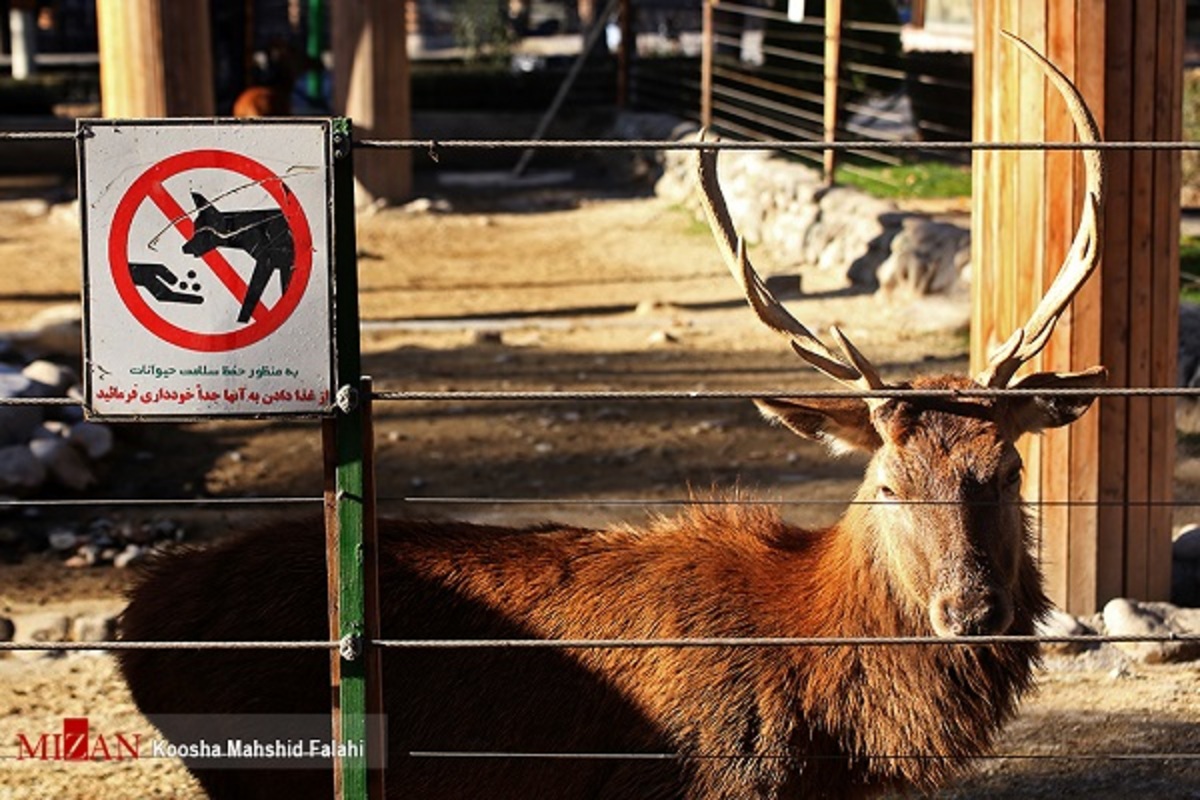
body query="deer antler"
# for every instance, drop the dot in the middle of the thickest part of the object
(859, 373)
(1084, 254)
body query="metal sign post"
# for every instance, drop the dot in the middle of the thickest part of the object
(213, 255)
(352, 552)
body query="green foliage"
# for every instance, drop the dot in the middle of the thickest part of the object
(1189, 268)
(1191, 130)
(480, 30)
(923, 179)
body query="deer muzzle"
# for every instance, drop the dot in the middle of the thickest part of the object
(976, 611)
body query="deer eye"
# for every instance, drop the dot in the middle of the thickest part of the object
(885, 493)
(1012, 478)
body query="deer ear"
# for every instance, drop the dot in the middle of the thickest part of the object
(842, 424)
(1035, 413)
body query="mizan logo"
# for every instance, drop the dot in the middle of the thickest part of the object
(76, 743)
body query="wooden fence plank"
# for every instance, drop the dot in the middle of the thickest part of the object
(1124, 318)
(1062, 216)
(1145, 64)
(1165, 314)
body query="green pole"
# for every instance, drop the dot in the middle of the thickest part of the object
(350, 479)
(316, 20)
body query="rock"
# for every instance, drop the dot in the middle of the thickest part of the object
(1185, 568)
(1124, 617)
(93, 438)
(20, 470)
(56, 331)
(6, 629)
(661, 338)
(1059, 623)
(41, 626)
(17, 423)
(94, 628)
(926, 257)
(1187, 544)
(50, 429)
(784, 208)
(87, 556)
(132, 554)
(63, 462)
(62, 539)
(13, 383)
(55, 378)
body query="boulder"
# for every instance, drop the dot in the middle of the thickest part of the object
(63, 462)
(93, 438)
(1185, 567)
(1123, 617)
(20, 470)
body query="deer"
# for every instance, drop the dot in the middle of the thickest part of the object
(935, 546)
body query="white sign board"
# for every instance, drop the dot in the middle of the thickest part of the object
(207, 267)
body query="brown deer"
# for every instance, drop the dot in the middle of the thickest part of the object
(936, 544)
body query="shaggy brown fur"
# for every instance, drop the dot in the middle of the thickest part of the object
(773, 722)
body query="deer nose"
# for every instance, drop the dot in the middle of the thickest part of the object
(980, 613)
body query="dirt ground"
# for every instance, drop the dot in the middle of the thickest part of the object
(533, 291)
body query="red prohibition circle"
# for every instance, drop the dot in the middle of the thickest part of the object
(139, 192)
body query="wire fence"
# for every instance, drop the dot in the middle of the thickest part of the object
(735, 112)
(772, 76)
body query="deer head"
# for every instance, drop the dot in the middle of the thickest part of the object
(940, 505)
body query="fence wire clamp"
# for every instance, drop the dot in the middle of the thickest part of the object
(350, 647)
(341, 145)
(347, 399)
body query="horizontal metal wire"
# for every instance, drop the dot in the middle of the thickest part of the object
(716, 394)
(483, 754)
(74, 646)
(38, 135)
(769, 641)
(39, 401)
(711, 394)
(158, 501)
(679, 501)
(617, 644)
(433, 145)
(563, 501)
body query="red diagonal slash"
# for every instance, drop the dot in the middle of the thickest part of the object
(224, 271)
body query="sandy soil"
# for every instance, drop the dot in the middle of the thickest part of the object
(546, 290)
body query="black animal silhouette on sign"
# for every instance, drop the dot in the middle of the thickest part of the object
(263, 233)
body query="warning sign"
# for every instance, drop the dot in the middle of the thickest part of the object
(207, 267)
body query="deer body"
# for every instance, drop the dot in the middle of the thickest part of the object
(746, 722)
(936, 544)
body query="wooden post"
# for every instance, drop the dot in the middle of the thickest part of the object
(371, 86)
(22, 29)
(833, 66)
(1100, 486)
(155, 58)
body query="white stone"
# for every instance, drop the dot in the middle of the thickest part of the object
(55, 377)
(1124, 617)
(63, 462)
